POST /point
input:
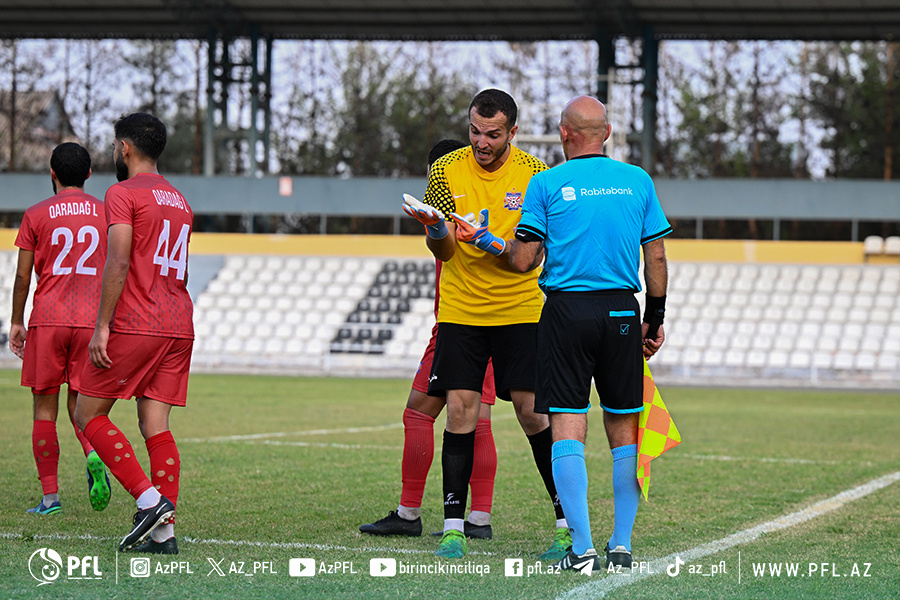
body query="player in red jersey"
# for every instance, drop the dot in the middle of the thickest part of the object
(418, 437)
(143, 337)
(63, 239)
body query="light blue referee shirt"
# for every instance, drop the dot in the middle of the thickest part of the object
(593, 214)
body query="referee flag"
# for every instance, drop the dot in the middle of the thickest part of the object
(656, 431)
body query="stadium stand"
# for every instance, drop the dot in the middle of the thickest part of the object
(745, 323)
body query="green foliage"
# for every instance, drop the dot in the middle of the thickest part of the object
(850, 95)
(730, 116)
(391, 105)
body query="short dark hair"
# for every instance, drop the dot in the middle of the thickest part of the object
(488, 103)
(444, 147)
(71, 163)
(146, 132)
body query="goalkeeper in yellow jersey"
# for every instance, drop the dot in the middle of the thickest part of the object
(487, 311)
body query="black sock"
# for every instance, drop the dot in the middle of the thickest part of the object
(457, 457)
(542, 449)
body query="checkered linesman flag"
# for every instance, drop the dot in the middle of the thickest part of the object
(656, 431)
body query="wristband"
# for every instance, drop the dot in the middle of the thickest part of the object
(654, 314)
(438, 231)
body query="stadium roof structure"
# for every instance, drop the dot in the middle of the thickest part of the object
(455, 19)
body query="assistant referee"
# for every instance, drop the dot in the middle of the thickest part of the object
(591, 216)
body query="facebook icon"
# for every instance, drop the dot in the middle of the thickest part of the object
(514, 567)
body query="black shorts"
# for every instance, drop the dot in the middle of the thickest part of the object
(584, 335)
(461, 355)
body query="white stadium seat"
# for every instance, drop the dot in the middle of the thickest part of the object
(865, 361)
(843, 360)
(778, 359)
(822, 360)
(892, 246)
(274, 346)
(888, 362)
(315, 347)
(713, 357)
(735, 358)
(800, 359)
(873, 245)
(756, 358)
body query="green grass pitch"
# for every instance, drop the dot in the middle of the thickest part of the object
(275, 468)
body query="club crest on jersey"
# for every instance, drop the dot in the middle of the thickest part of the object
(513, 200)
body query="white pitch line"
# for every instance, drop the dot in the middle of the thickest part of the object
(277, 434)
(324, 445)
(249, 543)
(792, 461)
(281, 434)
(598, 588)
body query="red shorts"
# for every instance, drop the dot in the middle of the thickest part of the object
(55, 355)
(144, 366)
(420, 383)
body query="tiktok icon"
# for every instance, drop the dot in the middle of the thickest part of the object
(673, 570)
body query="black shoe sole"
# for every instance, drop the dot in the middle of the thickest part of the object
(408, 529)
(473, 532)
(618, 559)
(170, 546)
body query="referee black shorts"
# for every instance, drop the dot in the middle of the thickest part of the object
(461, 356)
(585, 335)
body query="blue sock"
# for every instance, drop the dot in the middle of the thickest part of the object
(626, 494)
(570, 477)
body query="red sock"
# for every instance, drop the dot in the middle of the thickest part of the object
(485, 467)
(418, 453)
(165, 464)
(85, 444)
(45, 446)
(116, 452)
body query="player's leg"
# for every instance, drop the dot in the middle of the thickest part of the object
(44, 370)
(570, 475)
(621, 429)
(619, 377)
(537, 429)
(418, 453)
(72, 396)
(484, 468)
(418, 448)
(165, 388)
(45, 449)
(98, 479)
(514, 351)
(457, 459)
(461, 356)
(165, 469)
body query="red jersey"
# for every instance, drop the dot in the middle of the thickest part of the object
(155, 299)
(67, 234)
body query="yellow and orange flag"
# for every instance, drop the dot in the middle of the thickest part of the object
(656, 431)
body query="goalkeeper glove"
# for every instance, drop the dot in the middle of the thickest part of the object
(474, 232)
(429, 216)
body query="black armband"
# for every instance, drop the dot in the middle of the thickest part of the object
(654, 313)
(524, 234)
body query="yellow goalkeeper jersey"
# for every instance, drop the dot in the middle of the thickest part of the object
(478, 288)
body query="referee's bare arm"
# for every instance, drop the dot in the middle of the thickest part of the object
(524, 256)
(656, 277)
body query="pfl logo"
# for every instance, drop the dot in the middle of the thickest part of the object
(45, 565)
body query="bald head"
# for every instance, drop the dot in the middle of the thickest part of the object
(583, 126)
